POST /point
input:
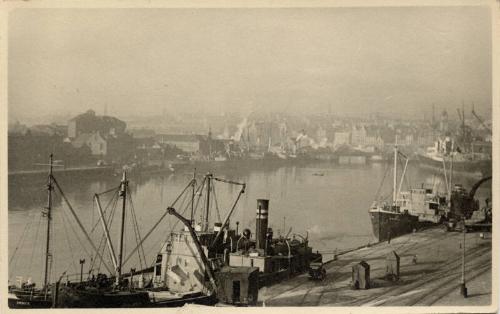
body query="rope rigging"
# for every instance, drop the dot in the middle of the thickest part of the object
(113, 200)
(377, 195)
(215, 201)
(137, 233)
(70, 207)
(168, 233)
(199, 193)
(165, 213)
(72, 262)
(35, 244)
(75, 233)
(20, 243)
(407, 181)
(187, 200)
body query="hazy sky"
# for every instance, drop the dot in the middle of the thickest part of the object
(354, 59)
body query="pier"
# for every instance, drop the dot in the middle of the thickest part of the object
(430, 274)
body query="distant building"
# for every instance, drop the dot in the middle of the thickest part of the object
(26, 151)
(341, 138)
(358, 135)
(366, 136)
(373, 137)
(188, 143)
(424, 138)
(89, 122)
(142, 133)
(96, 143)
(48, 129)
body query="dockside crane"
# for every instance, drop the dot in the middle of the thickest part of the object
(479, 119)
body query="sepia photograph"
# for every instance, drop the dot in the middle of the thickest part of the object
(264, 156)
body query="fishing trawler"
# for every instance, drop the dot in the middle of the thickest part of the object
(113, 289)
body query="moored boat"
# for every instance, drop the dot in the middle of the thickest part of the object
(409, 210)
(389, 222)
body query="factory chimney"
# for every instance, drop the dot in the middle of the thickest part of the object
(261, 223)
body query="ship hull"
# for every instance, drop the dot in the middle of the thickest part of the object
(20, 300)
(79, 297)
(479, 168)
(74, 297)
(387, 225)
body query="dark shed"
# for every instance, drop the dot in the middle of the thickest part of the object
(361, 275)
(238, 285)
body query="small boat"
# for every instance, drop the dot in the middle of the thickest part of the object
(19, 298)
(27, 295)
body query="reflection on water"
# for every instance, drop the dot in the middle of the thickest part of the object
(327, 201)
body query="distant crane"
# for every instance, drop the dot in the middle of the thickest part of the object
(461, 116)
(480, 120)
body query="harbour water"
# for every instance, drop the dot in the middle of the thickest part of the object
(326, 201)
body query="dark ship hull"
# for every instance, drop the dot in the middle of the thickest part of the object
(29, 299)
(199, 299)
(83, 297)
(481, 167)
(387, 224)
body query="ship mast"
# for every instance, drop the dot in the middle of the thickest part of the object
(123, 194)
(451, 172)
(49, 218)
(207, 211)
(395, 179)
(193, 195)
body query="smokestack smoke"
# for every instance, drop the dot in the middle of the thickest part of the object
(241, 127)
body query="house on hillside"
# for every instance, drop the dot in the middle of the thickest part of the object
(97, 144)
(341, 138)
(89, 122)
(373, 137)
(366, 136)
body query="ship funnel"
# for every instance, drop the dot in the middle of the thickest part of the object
(261, 223)
(217, 227)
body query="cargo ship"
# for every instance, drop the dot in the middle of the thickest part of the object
(408, 210)
(469, 154)
(389, 222)
(476, 164)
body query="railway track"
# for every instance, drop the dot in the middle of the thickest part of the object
(375, 254)
(432, 297)
(448, 269)
(306, 292)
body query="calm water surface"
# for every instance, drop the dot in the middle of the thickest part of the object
(329, 202)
